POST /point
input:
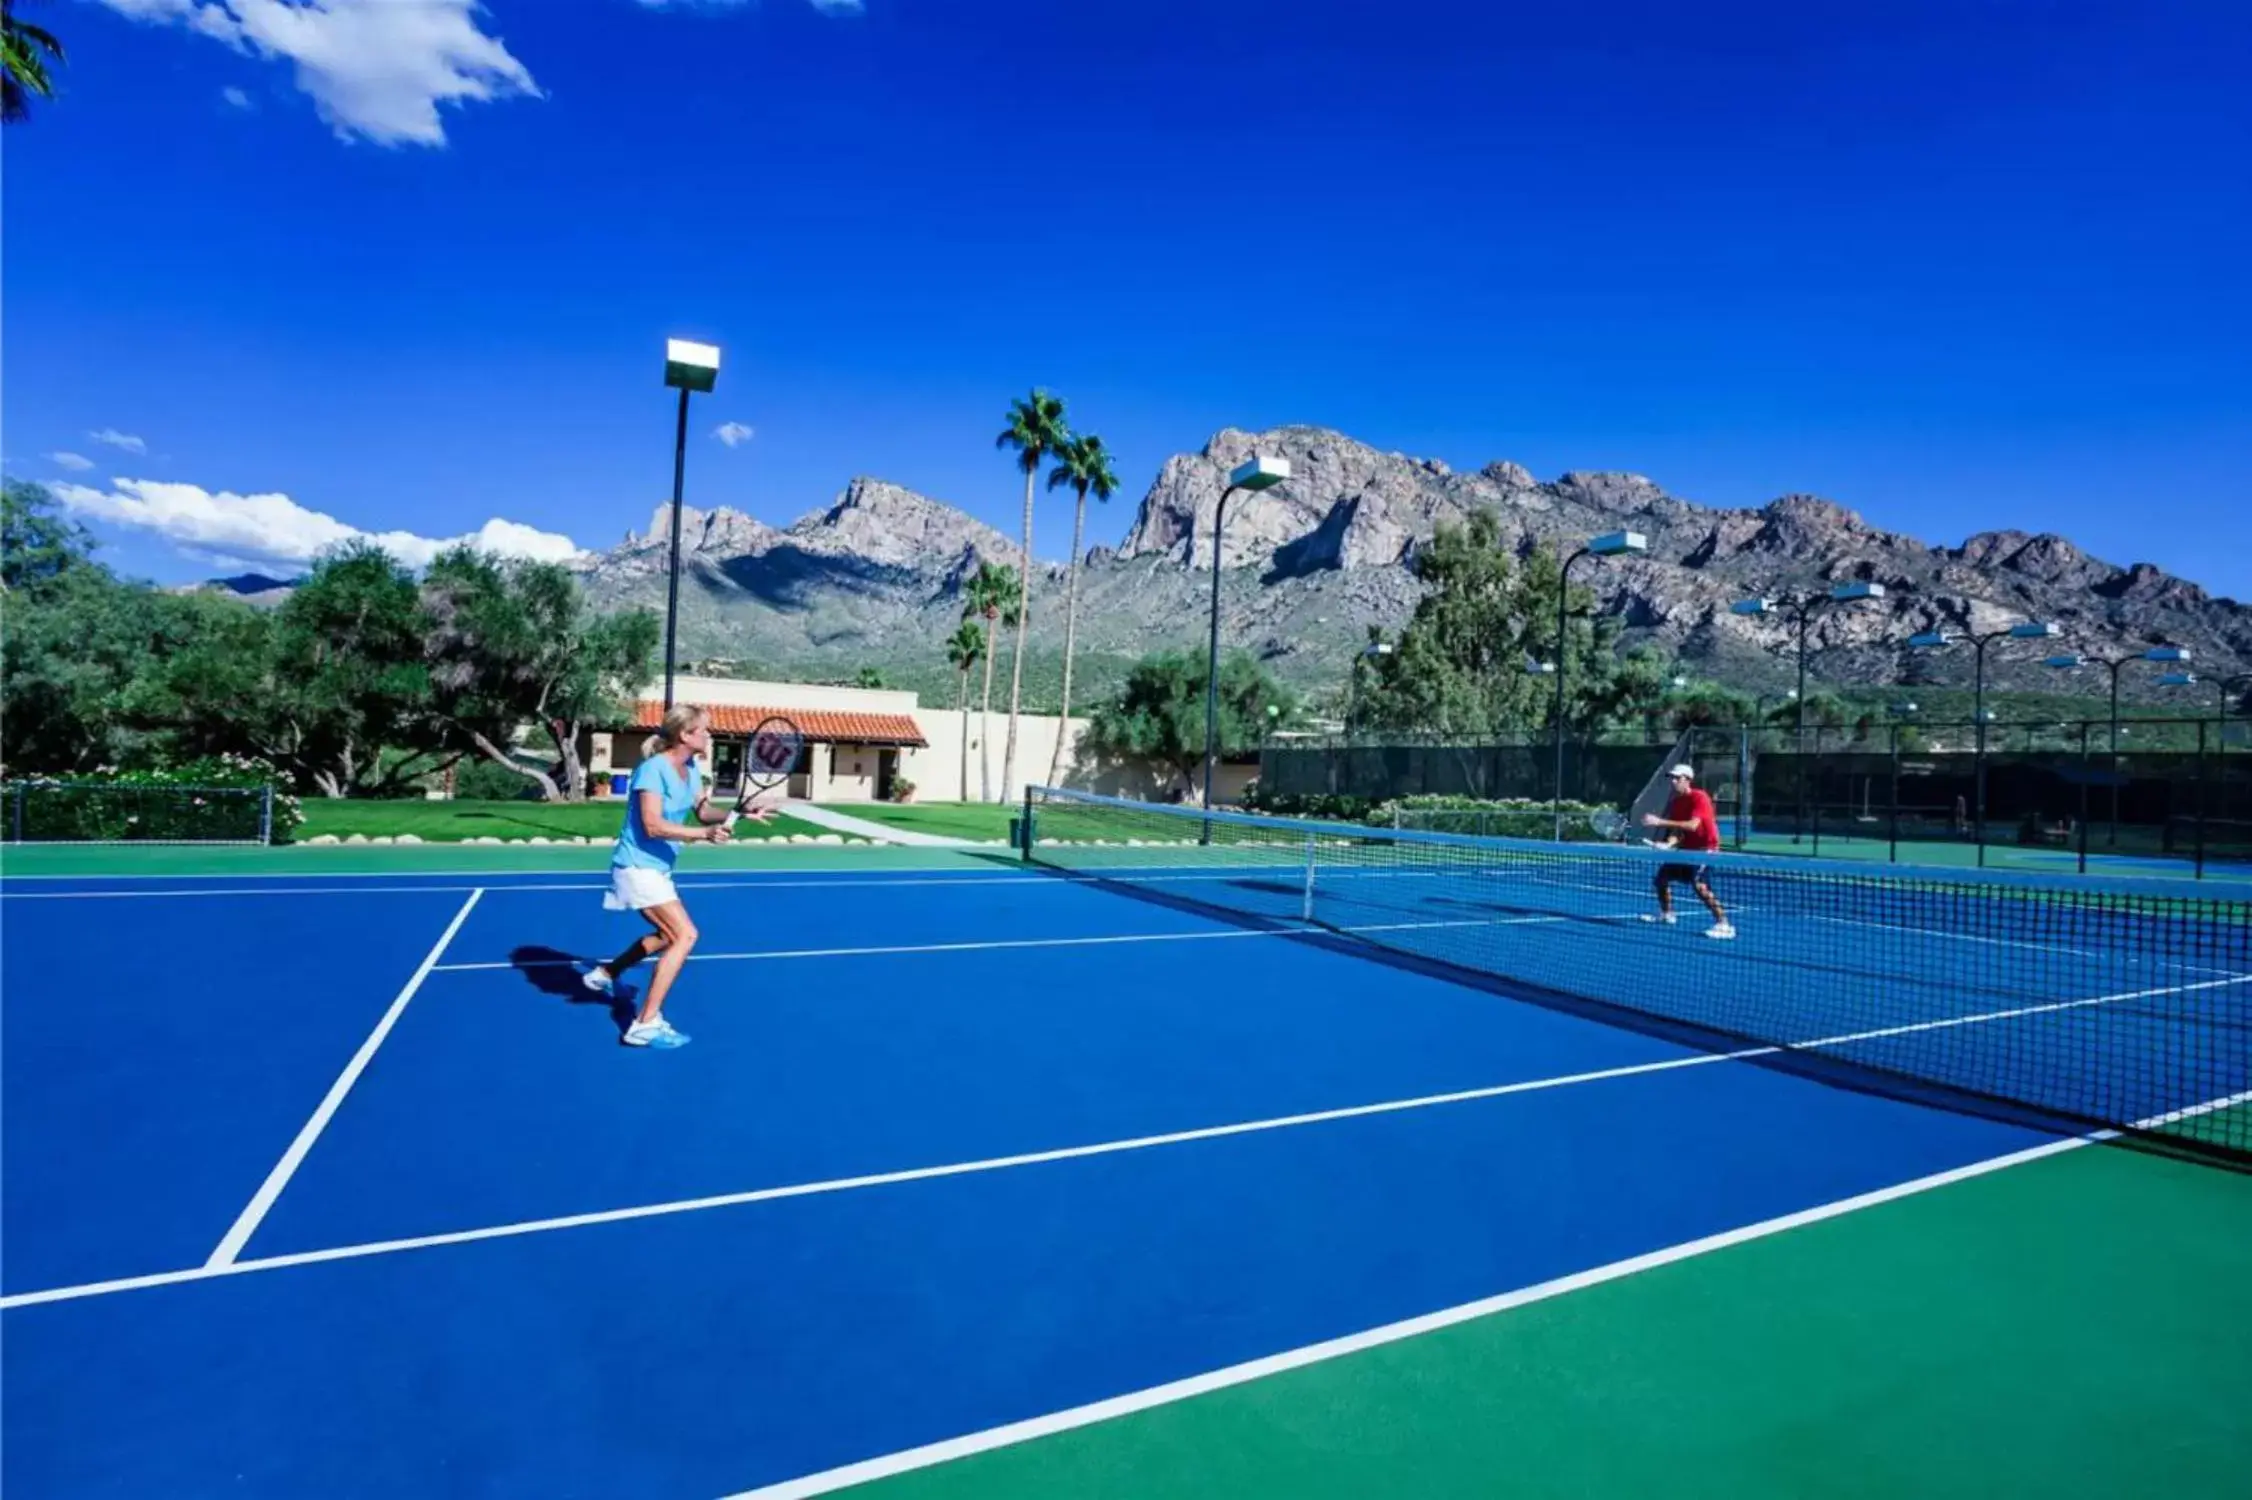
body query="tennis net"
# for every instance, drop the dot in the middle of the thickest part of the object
(2114, 1003)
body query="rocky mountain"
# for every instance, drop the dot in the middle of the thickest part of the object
(874, 580)
(252, 588)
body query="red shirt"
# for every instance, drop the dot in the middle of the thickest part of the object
(1693, 806)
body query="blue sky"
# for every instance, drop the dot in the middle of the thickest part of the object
(1959, 266)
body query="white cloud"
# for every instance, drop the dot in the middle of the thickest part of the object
(733, 434)
(376, 69)
(273, 530)
(76, 462)
(116, 439)
(235, 97)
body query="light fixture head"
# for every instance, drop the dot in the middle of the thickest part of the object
(1613, 543)
(1260, 471)
(690, 366)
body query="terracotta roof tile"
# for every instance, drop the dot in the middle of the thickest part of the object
(818, 725)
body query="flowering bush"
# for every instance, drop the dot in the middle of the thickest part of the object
(1505, 817)
(165, 804)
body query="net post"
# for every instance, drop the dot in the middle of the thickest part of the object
(1024, 828)
(1306, 897)
(266, 814)
(15, 814)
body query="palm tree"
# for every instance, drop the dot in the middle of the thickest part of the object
(964, 649)
(991, 595)
(23, 72)
(1084, 464)
(1036, 429)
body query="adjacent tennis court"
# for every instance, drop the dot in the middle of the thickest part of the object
(1203, 1168)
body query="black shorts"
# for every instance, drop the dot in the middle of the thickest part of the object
(1693, 874)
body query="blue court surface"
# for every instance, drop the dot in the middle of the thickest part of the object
(345, 1186)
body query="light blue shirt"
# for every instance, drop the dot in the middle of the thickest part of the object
(677, 792)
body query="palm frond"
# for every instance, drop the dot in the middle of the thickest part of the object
(23, 72)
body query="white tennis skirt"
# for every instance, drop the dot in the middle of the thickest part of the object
(632, 888)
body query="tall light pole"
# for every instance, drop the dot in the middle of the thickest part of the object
(2113, 665)
(688, 367)
(1800, 609)
(1611, 544)
(1259, 472)
(1932, 640)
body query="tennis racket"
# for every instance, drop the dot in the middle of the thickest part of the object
(774, 750)
(1608, 824)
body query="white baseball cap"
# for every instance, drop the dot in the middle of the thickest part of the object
(1684, 770)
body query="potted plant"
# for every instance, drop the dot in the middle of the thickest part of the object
(903, 790)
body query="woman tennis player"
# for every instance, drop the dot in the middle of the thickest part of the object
(1691, 826)
(666, 804)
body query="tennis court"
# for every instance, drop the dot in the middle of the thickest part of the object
(1110, 1173)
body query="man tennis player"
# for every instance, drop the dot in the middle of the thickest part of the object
(1693, 828)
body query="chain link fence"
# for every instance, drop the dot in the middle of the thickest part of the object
(2174, 797)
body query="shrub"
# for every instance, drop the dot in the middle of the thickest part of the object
(479, 780)
(155, 805)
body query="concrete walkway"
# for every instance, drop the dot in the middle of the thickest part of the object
(838, 822)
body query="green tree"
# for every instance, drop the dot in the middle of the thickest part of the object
(37, 541)
(990, 594)
(1463, 665)
(1083, 464)
(868, 677)
(1036, 429)
(1158, 715)
(71, 651)
(965, 648)
(348, 681)
(25, 50)
(513, 642)
(1704, 703)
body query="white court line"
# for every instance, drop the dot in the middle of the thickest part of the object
(1066, 1153)
(1048, 1424)
(848, 1184)
(689, 884)
(254, 1212)
(984, 945)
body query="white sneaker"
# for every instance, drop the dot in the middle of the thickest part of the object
(657, 1033)
(1665, 917)
(598, 980)
(1720, 930)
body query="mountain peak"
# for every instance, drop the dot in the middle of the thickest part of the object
(894, 525)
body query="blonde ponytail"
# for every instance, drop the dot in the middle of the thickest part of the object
(678, 720)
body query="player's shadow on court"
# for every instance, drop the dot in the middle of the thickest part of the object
(554, 972)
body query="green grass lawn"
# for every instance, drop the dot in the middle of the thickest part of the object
(451, 822)
(953, 820)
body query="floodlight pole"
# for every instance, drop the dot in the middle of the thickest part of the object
(2113, 664)
(689, 366)
(1610, 545)
(1212, 659)
(2030, 630)
(672, 570)
(1563, 598)
(1801, 607)
(1259, 472)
